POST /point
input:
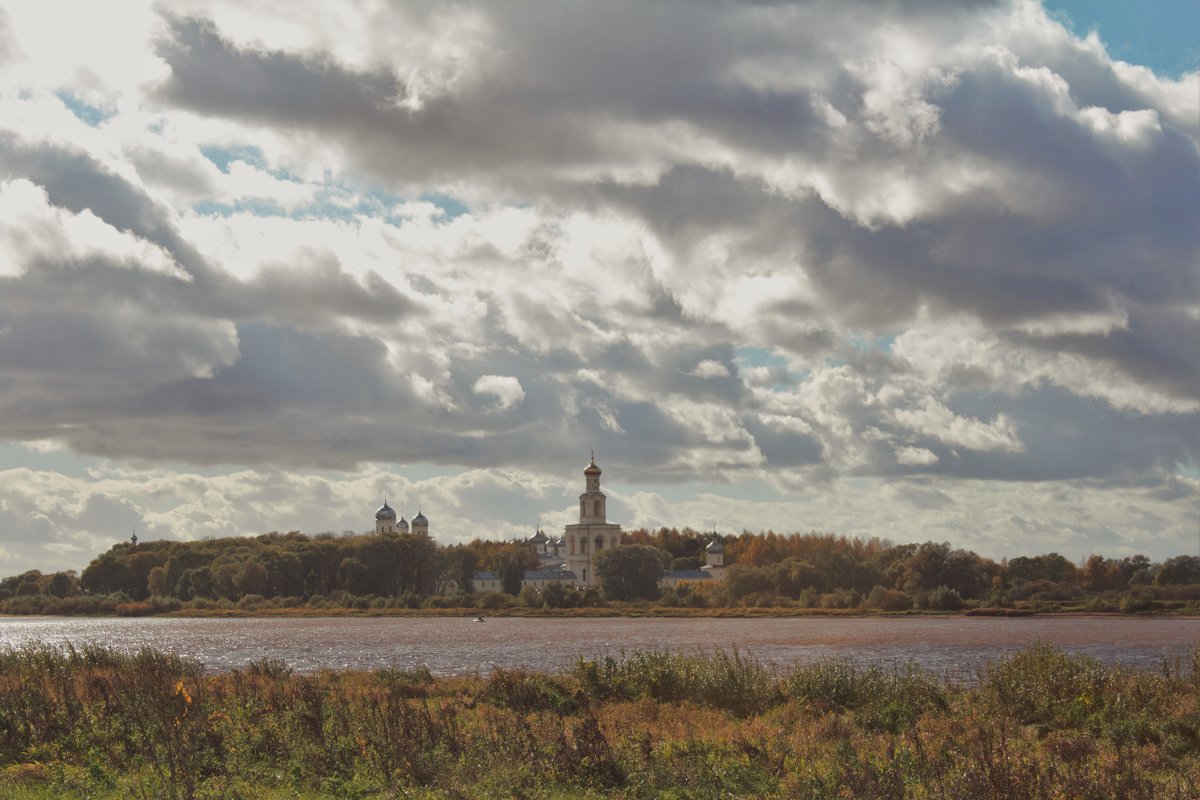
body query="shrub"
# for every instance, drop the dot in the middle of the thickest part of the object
(530, 597)
(841, 598)
(881, 699)
(251, 602)
(730, 682)
(888, 599)
(494, 600)
(944, 599)
(1133, 602)
(139, 609)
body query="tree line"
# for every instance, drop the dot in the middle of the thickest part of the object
(763, 569)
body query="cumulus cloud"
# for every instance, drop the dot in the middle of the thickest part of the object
(505, 388)
(781, 244)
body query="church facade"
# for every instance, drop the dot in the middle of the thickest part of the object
(568, 560)
(584, 540)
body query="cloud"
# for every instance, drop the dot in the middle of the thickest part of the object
(956, 241)
(915, 456)
(505, 388)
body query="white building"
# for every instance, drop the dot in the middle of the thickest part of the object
(712, 571)
(592, 534)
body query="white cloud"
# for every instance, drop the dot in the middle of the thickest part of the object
(915, 456)
(505, 388)
(934, 419)
(710, 369)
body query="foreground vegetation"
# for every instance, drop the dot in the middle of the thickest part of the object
(385, 573)
(1039, 724)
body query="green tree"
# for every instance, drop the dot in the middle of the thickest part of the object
(1050, 567)
(62, 584)
(195, 582)
(252, 579)
(105, 575)
(1178, 570)
(631, 572)
(156, 582)
(743, 580)
(510, 565)
(936, 565)
(354, 576)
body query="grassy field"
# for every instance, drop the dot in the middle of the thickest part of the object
(1040, 724)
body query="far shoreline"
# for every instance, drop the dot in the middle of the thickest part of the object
(614, 613)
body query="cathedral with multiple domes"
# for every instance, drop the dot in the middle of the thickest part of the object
(386, 522)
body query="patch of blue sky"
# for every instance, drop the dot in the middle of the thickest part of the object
(882, 344)
(451, 207)
(222, 157)
(85, 113)
(253, 206)
(16, 456)
(750, 357)
(342, 200)
(1163, 35)
(759, 357)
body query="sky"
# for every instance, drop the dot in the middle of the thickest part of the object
(922, 270)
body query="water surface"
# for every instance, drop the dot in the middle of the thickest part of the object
(456, 645)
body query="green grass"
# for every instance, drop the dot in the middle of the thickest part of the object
(96, 723)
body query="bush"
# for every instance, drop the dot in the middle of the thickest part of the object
(139, 609)
(495, 600)
(251, 602)
(888, 599)
(729, 682)
(530, 597)
(944, 599)
(842, 598)
(889, 700)
(1133, 602)
(1045, 590)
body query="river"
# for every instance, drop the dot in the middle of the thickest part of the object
(955, 646)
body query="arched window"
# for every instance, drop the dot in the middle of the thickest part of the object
(582, 508)
(599, 543)
(571, 546)
(596, 509)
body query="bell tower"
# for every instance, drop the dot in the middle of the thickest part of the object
(593, 533)
(592, 501)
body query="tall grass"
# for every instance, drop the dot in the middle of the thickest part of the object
(94, 722)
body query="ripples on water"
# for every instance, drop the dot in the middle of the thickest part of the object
(955, 646)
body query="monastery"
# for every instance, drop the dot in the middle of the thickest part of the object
(569, 559)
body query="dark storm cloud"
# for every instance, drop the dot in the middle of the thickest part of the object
(75, 180)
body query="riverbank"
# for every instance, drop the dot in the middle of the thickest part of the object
(1038, 724)
(667, 613)
(236, 611)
